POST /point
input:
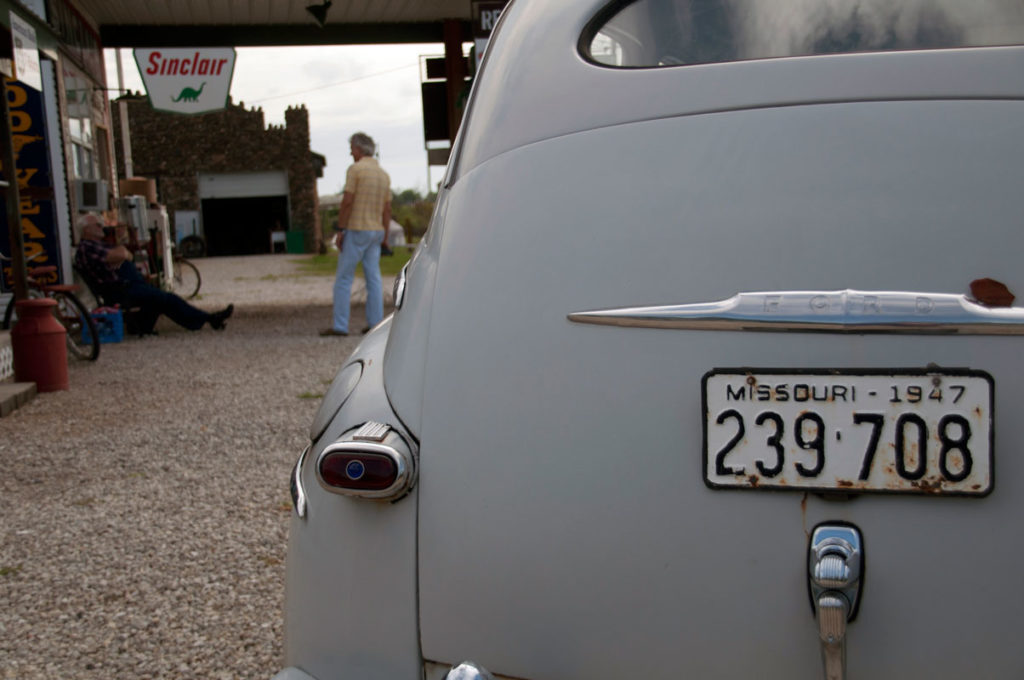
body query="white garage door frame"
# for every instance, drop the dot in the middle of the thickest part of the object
(243, 184)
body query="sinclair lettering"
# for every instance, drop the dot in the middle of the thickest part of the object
(187, 80)
(194, 66)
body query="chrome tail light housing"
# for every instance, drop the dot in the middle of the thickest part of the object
(372, 461)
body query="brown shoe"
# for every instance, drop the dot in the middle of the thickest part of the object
(327, 332)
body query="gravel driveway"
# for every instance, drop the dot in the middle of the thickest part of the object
(144, 511)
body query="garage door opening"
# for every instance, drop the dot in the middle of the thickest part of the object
(242, 226)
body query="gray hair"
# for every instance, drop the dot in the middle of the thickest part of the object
(363, 142)
(88, 219)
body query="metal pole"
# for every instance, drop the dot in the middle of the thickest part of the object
(455, 73)
(122, 107)
(17, 242)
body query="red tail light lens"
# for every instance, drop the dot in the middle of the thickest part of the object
(357, 470)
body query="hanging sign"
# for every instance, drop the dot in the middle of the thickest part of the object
(26, 56)
(186, 79)
(485, 17)
(6, 54)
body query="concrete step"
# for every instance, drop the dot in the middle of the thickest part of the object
(12, 395)
(15, 395)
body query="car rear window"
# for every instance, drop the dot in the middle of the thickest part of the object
(650, 33)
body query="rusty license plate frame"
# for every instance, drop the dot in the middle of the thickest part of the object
(849, 430)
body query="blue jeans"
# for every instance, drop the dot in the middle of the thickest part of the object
(359, 246)
(133, 291)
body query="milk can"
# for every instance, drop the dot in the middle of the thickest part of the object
(38, 342)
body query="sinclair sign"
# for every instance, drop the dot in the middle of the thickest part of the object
(187, 79)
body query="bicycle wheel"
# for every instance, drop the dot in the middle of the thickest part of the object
(186, 280)
(192, 246)
(82, 336)
(9, 314)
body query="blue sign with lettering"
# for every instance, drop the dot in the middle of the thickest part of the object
(35, 185)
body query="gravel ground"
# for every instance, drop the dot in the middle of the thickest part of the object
(144, 511)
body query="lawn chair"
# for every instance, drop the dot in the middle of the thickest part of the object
(136, 321)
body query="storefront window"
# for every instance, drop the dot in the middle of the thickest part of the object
(78, 95)
(82, 160)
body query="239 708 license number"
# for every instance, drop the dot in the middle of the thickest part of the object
(830, 430)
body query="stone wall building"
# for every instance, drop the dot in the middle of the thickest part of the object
(244, 187)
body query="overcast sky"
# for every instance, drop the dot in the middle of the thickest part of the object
(374, 89)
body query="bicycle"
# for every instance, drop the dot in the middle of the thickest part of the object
(82, 335)
(186, 280)
(193, 246)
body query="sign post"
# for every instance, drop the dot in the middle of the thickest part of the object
(186, 80)
(26, 66)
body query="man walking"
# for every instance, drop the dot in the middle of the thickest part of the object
(362, 228)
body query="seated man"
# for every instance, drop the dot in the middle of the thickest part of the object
(121, 283)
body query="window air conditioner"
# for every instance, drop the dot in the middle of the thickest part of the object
(91, 194)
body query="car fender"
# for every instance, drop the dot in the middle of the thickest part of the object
(350, 554)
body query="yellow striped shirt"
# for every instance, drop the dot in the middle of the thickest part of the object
(370, 187)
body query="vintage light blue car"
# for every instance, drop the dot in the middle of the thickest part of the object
(708, 366)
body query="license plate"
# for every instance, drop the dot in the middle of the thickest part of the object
(904, 431)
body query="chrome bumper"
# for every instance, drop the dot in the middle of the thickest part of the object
(466, 670)
(292, 673)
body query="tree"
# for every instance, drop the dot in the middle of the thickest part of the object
(410, 209)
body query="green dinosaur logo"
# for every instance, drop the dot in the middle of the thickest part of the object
(189, 94)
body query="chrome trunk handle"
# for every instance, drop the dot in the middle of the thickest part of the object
(835, 311)
(834, 568)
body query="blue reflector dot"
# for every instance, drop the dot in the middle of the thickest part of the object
(355, 469)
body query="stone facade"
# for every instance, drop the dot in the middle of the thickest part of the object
(174, 149)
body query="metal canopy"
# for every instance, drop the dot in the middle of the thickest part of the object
(200, 23)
